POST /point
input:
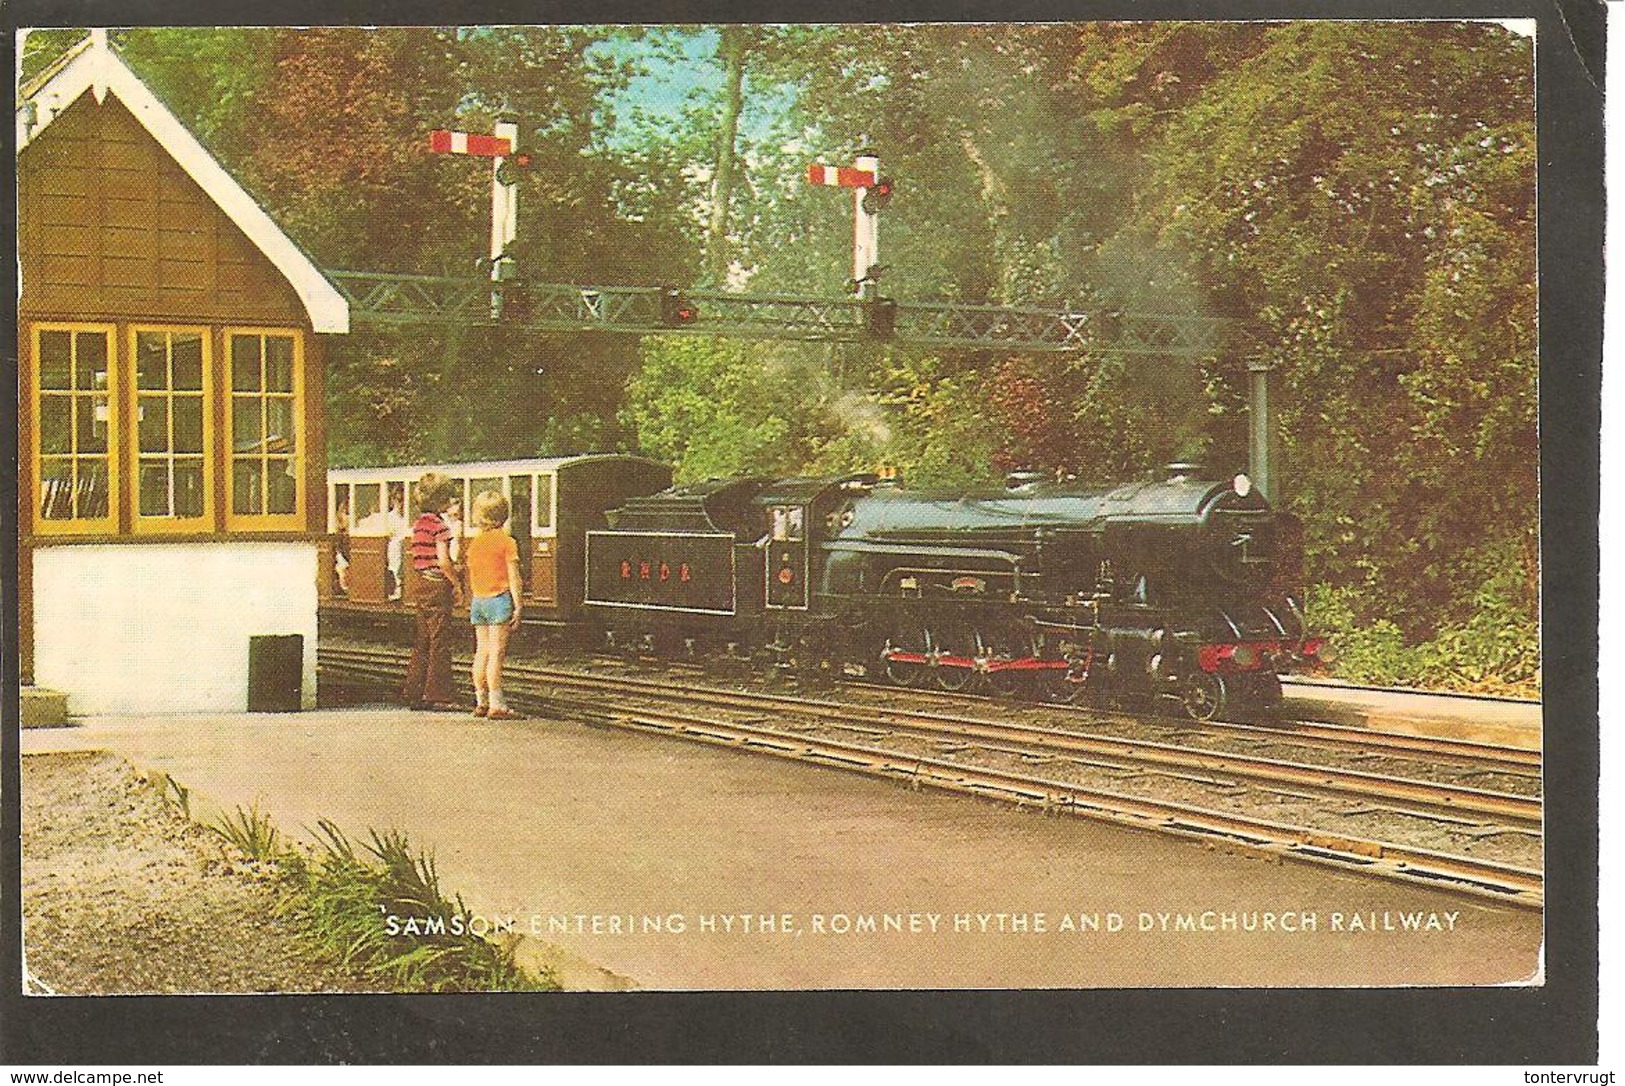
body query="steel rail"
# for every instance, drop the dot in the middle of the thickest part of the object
(1486, 757)
(1445, 797)
(1520, 811)
(1503, 882)
(1314, 733)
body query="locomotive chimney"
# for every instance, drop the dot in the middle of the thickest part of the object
(1183, 469)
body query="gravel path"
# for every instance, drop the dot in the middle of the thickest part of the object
(123, 895)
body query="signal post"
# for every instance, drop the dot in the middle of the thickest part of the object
(502, 148)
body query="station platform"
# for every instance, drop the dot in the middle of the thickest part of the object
(632, 861)
(1449, 716)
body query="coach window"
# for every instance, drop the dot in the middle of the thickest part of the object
(338, 506)
(172, 388)
(75, 444)
(476, 487)
(366, 508)
(265, 481)
(519, 518)
(543, 507)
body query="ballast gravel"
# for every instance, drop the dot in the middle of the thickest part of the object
(122, 894)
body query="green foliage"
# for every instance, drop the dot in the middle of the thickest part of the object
(719, 407)
(1494, 650)
(348, 895)
(251, 833)
(41, 48)
(175, 795)
(211, 76)
(726, 407)
(1369, 649)
(939, 433)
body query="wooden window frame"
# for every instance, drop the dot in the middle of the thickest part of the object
(166, 525)
(107, 525)
(266, 522)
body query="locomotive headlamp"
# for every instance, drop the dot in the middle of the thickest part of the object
(1244, 486)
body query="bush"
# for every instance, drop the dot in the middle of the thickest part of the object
(343, 896)
(1495, 651)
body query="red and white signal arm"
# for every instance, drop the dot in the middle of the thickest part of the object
(846, 177)
(444, 142)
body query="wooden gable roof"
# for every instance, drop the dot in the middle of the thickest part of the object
(93, 67)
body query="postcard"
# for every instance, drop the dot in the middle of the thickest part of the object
(1064, 510)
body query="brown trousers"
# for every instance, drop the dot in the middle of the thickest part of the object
(428, 676)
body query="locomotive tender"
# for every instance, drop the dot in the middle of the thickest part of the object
(1182, 587)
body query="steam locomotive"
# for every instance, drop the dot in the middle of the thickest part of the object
(1183, 588)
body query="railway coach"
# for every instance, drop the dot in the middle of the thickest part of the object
(555, 502)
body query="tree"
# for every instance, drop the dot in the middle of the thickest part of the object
(212, 78)
(1360, 197)
(733, 44)
(360, 183)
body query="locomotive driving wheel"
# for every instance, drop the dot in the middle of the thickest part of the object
(1206, 696)
(960, 642)
(914, 640)
(1005, 645)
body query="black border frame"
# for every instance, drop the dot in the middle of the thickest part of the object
(1551, 1024)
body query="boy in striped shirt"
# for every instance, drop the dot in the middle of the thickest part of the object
(428, 682)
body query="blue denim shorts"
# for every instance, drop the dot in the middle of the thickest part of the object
(490, 610)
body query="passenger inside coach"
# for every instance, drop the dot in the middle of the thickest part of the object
(398, 527)
(341, 545)
(453, 517)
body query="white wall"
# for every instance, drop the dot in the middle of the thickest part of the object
(164, 627)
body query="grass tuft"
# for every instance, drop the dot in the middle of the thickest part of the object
(171, 792)
(252, 833)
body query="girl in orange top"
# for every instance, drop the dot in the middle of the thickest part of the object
(494, 587)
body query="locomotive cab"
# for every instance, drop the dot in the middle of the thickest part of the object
(794, 511)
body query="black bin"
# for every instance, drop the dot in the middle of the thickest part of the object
(276, 672)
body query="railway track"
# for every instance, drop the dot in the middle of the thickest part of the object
(364, 620)
(998, 759)
(1358, 742)
(1121, 753)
